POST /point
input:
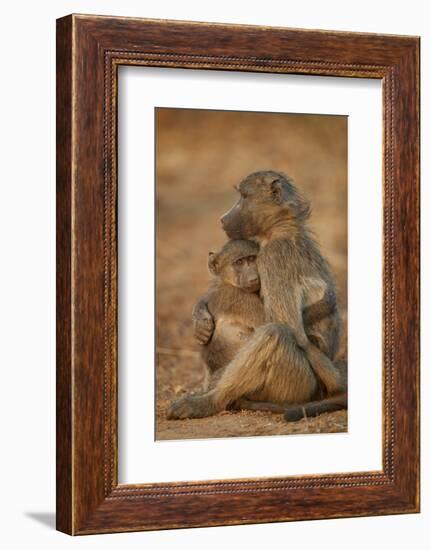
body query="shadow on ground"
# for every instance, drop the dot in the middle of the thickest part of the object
(45, 518)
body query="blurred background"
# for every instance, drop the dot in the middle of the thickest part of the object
(200, 156)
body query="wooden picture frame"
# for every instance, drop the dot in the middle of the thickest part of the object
(89, 51)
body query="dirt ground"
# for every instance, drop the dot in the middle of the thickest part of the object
(200, 156)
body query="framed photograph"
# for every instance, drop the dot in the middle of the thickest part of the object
(237, 274)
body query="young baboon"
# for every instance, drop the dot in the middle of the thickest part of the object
(234, 303)
(282, 363)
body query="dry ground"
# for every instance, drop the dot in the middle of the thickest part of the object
(200, 156)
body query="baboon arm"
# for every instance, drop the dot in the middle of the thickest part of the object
(287, 309)
(325, 369)
(203, 322)
(320, 363)
(320, 310)
(289, 312)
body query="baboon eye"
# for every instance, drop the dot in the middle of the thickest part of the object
(251, 258)
(239, 262)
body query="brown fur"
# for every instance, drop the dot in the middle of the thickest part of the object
(233, 302)
(235, 305)
(283, 363)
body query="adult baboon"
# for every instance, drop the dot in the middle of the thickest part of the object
(280, 364)
(235, 306)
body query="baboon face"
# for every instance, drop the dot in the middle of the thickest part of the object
(266, 199)
(236, 265)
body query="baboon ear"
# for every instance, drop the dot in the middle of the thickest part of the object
(277, 191)
(212, 263)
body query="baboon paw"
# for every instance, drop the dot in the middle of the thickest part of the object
(203, 330)
(190, 407)
(180, 408)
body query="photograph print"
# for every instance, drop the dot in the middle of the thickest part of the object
(251, 273)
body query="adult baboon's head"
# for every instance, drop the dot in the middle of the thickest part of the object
(267, 200)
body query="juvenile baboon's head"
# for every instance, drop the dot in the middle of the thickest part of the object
(236, 265)
(267, 200)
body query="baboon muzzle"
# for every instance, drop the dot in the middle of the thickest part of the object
(231, 223)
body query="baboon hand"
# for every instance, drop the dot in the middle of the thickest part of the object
(203, 326)
(191, 406)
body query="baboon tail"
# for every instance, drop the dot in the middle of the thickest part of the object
(294, 413)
